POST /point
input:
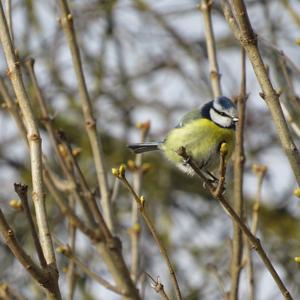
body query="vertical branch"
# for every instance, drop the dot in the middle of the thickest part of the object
(34, 141)
(56, 142)
(8, 13)
(90, 121)
(35, 150)
(71, 272)
(205, 7)
(250, 271)
(260, 171)
(239, 159)
(135, 230)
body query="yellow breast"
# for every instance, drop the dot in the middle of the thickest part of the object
(202, 139)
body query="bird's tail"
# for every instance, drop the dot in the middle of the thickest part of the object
(144, 147)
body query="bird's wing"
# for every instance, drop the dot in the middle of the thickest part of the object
(202, 112)
(190, 116)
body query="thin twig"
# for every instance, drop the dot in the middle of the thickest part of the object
(291, 120)
(68, 211)
(158, 287)
(13, 109)
(255, 242)
(280, 53)
(260, 171)
(120, 173)
(136, 228)
(222, 170)
(292, 11)
(90, 121)
(213, 270)
(6, 292)
(71, 271)
(67, 251)
(9, 19)
(88, 195)
(215, 76)
(238, 171)
(287, 83)
(55, 139)
(111, 252)
(21, 190)
(39, 274)
(250, 270)
(161, 20)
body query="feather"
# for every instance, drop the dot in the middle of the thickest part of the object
(144, 147)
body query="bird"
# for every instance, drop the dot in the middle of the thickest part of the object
(201, 132)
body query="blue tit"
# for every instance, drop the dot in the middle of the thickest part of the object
(201, 132)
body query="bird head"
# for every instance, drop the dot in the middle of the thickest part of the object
(223, 112)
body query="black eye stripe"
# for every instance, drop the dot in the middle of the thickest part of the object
(221, 113)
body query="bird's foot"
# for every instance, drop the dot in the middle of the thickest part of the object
(214, 182)
(186, 161)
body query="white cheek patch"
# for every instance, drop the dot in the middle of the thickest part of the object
(220, 120)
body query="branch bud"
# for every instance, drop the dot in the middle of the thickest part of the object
(297, 192)
(142, 200)
(122, 170)
(115, 172)
(224, 149)
(16, 204)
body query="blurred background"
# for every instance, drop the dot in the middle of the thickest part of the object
(147, 61)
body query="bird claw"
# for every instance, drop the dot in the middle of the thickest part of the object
(215, 183)
(186, 161)
(223, 190)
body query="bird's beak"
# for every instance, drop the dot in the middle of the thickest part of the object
(235, 119)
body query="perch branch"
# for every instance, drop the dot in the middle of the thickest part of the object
(254, 241)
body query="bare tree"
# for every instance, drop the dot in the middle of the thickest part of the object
(79, 81)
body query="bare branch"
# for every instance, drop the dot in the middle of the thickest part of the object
(90, 121)
(136, 228)
(255, 242)
(205, 7)
(238, 204)
(120, 173)
(158, 287)
(21, 190)
(67, 251)
(244, 33)
(40, 275)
